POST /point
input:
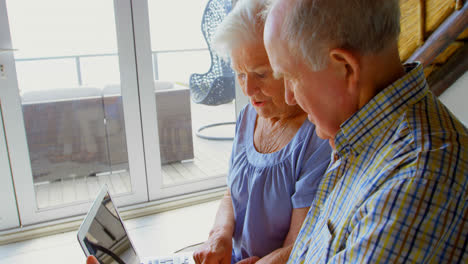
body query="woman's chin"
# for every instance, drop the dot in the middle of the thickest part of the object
(260, 110)
(261, 113)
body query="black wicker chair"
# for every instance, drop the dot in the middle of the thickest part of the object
(216, 86)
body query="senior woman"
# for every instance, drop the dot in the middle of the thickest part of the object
(277, 159)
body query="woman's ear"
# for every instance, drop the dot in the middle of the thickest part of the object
(346, 65)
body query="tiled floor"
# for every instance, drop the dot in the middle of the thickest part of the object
(153, 235)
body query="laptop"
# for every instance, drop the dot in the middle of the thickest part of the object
(103, 235)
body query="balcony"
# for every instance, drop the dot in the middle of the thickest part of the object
(76, 135)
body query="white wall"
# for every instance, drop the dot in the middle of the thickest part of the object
(456, 98)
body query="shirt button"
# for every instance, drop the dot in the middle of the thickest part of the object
(336, 157)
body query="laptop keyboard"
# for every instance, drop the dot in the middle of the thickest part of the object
(170, 260)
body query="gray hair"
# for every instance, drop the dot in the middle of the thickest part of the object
(313, 27)
(244, 24)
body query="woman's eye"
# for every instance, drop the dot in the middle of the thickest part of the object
(261, 75)
(241, 76)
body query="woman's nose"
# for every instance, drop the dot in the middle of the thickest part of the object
(250, 86)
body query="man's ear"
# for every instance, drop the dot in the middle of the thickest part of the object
(346, 65)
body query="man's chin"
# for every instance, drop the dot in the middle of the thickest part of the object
(320, 133)
(326, 136)
(318, 130)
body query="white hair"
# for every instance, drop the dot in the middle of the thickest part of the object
(313, 27)
(243, 25)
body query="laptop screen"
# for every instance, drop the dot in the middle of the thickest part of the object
(106, 237)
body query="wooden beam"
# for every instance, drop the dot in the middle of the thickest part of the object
(445, 34)
(448, 73)
(459, 4)
(422, 22)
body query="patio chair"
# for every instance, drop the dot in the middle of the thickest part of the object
(216, 86)
(174, 123)
(65, 132)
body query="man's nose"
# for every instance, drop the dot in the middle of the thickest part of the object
(289, 93)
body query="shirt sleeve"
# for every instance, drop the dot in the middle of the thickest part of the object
(406, 221)
(312, 162)
(235, 142)
(303, 238)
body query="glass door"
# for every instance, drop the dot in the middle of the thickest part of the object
(171, 48)
(9, 213)
(71, 108)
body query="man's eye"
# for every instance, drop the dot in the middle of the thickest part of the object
(261, 75)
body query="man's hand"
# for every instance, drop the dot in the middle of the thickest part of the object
(92, 260)
(217, 249)
(250, 260)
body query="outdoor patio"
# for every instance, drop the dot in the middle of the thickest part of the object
(211, 159)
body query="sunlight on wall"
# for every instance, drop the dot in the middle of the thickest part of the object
(456, 98)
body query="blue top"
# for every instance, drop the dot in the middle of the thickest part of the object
(266, 187)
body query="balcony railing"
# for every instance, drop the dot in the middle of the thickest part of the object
(77, 59)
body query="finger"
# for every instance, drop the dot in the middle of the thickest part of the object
(198, 259)
(210, 259)
(250, 260)
(195, 258)
(92, 260)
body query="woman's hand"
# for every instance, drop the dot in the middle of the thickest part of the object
(92, 260)
(217, 249)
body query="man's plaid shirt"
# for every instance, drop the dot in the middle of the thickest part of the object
(396, 188)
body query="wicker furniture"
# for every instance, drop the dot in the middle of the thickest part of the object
(65, 132)
(216, 86)
(174, 123)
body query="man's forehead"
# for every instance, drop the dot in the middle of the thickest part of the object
(280, 8)
(283, 63)
(280, 69)
(273, 30)
(278, 75)
(275, 42)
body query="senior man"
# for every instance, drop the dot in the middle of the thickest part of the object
(396, 188)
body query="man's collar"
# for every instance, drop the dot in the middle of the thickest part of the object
(369, 121)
